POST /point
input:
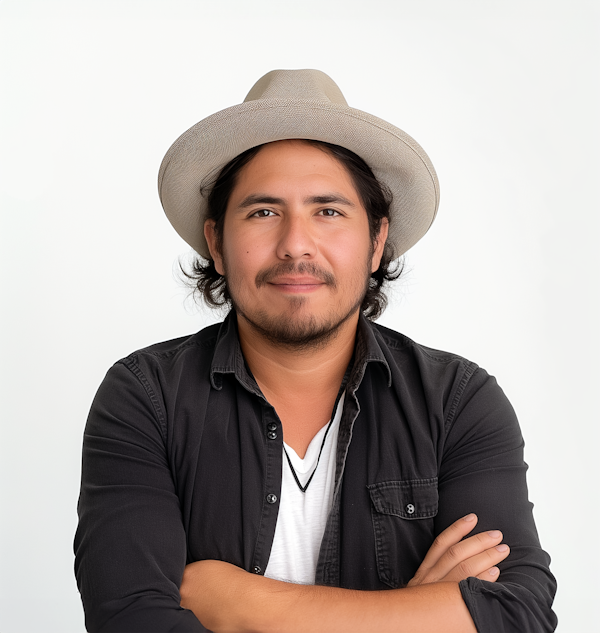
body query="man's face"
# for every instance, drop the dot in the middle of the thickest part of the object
(296, 250)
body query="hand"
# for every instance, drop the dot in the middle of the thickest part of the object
(452, 559)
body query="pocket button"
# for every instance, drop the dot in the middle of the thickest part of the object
(410, 508)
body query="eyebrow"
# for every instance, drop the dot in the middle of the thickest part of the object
(328, 199)
(260, 198)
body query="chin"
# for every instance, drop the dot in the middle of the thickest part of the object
(295, 328)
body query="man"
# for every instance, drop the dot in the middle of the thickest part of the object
(298, 468)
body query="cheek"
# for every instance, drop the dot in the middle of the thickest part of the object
(351, 255)
(241, 264)
(252, 254)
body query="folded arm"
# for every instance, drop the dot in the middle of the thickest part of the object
(227, 598)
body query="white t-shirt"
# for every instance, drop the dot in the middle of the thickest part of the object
(302, 515)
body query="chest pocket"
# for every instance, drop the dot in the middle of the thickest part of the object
(402, 513)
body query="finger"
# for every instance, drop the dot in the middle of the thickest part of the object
(478, 564)
(491, 575)
(469, 548)
(446, 539)
(456, 555)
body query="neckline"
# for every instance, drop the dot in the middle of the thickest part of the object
(335, 418)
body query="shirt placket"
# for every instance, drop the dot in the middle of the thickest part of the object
(271, 427)
(328, 565)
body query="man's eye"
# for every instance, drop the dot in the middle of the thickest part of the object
(262, 213)
(329, 213)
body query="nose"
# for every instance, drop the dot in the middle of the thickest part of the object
(296, 240)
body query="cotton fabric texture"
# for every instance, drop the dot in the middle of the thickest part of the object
(297, 104)
(178, 466)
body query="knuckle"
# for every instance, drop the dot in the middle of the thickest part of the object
(453, 553)
(464, 569)
(490, 553)
(438, 542)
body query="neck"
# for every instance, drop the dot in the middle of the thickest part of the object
(287, 372)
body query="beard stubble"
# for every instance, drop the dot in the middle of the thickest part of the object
(289, 330)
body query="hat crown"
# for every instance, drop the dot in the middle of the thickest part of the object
(311, 85)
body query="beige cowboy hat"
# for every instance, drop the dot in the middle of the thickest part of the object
(296, 104)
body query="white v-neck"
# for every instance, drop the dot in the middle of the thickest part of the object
(307, 464)
(303, 515)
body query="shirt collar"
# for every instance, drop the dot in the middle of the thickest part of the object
(228, 357)
(367, 350)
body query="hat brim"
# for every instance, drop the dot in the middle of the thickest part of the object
(202, 151)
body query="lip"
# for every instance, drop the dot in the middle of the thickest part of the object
(301, 284)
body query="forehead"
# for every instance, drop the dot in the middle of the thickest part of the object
(296, 162)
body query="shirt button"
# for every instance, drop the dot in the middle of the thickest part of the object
(410, 508)
(272, 435)
(272, 426)
(271, 498)
(256, 569)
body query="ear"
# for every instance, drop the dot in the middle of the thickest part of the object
(379, 244)
(211, 240)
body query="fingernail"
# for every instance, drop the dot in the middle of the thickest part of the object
(502, 548)
(469, 517)
(494, 571)
(494, 533)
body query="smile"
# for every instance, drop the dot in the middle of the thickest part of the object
(296, 285)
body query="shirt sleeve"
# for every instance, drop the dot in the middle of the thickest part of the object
(483, 471)
(130, 545)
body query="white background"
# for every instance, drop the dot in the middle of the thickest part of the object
(502, 95)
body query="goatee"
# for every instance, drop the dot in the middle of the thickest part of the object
(291, 330)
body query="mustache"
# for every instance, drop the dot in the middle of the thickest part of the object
(290, 268)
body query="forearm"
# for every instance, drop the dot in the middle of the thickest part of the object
(437, 608)
(238, 601)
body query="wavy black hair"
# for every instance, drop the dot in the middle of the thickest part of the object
(375, 196)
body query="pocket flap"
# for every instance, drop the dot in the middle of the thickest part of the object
(408, 499)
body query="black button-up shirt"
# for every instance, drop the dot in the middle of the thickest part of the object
(182, 461)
